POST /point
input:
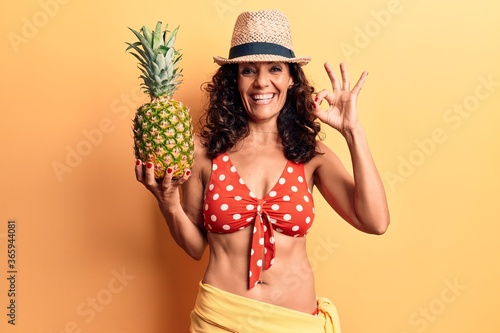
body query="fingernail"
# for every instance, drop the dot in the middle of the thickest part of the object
(316, 99)
(138, 162)
(149, 165)
(188, 172)
(170, 170)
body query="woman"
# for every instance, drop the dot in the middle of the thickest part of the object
(248, 195)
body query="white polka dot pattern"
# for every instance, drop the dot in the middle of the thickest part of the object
(231, 206)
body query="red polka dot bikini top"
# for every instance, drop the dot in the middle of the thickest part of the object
(231, 206)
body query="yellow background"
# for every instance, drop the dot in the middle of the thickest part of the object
(429, 106)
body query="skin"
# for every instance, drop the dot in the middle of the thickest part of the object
(359, 199)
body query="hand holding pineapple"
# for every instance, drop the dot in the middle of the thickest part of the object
(165, 191)
(162, 127)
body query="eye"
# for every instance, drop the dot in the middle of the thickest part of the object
(246, 71)
(276, 69)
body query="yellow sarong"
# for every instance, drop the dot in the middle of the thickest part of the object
(220, 311)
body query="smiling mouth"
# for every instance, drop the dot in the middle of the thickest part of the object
(262, 98)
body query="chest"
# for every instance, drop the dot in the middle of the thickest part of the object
(260, 171)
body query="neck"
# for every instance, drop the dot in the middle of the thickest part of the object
(269, 132)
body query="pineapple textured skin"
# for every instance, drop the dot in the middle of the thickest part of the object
(162, 135)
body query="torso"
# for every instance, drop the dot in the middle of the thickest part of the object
(290, 281)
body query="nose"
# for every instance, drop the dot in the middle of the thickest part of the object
(262, 79)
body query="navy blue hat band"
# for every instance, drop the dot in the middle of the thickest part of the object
(260, 48)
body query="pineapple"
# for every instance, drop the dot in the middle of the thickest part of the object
(162, 127)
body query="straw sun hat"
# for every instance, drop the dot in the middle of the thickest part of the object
(261, 36)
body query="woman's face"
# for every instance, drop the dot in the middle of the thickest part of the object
(263, 88)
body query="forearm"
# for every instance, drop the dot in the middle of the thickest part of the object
(184, 231)
(370, 203)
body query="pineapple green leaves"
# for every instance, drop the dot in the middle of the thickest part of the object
(158, 60)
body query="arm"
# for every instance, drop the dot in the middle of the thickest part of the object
(185, 221)
(360, 199)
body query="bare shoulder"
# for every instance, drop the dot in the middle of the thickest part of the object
(324, 154)
(323, 164)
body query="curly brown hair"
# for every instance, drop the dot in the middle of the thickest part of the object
(225, 121)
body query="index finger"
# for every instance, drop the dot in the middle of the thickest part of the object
(139, 174)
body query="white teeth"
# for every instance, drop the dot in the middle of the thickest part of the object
(263, 96)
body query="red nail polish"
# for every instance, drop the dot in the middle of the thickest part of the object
(188, 173)
(149, 165)
(138, 162)
(316, 99)
(169, 170)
